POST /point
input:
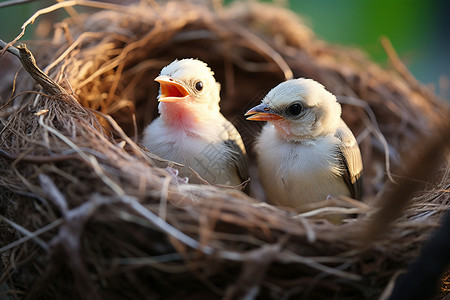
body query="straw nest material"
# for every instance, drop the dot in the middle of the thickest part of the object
(86, 213)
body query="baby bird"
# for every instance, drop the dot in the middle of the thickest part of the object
(191, 130)
(305, 152)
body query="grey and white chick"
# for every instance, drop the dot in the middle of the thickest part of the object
(306, 151)
(191, 130)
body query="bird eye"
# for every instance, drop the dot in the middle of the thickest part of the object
(199, 86)
(295, 109)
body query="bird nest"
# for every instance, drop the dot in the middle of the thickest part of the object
(88, 213)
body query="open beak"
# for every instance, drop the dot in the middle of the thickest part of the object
(171, 91)
(262, 113)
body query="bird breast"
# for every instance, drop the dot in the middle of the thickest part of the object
(297, 173)
(201, 149)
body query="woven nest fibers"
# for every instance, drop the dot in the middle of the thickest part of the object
(87, 213)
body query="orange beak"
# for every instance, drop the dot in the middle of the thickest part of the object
(262, 113)
(171, 91)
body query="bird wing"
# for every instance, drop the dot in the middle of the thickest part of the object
(234, 142)
(351, 158)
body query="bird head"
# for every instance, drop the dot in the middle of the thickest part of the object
(300, 109)
(189, 84)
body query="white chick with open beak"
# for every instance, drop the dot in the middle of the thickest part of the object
(191, 130)
(306, 151)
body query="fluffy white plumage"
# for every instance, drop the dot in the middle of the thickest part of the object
(191, 130)
(306, 151)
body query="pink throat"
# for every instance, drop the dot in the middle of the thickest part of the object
(180, 116)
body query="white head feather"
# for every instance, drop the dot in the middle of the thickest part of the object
(189, 72)
(321, 111)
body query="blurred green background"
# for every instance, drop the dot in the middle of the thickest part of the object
(419, 30)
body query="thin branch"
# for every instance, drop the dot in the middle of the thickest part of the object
(54, 194)
(419, 167)
(136, 149)
(375, 130)
(59, 5)
(88, 158)
(401, 69)
(38, 159)
(264, 48)
(13, 50)
(25, 232)
(29, 64)
(72, 46)
(166, 227)
(33, 235)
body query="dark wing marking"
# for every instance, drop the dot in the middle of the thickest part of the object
(234, 142)
(351, 158)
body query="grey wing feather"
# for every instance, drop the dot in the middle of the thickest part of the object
(234, 141)
(352, 162)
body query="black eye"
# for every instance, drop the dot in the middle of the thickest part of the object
(199, 86)
(295, 109)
